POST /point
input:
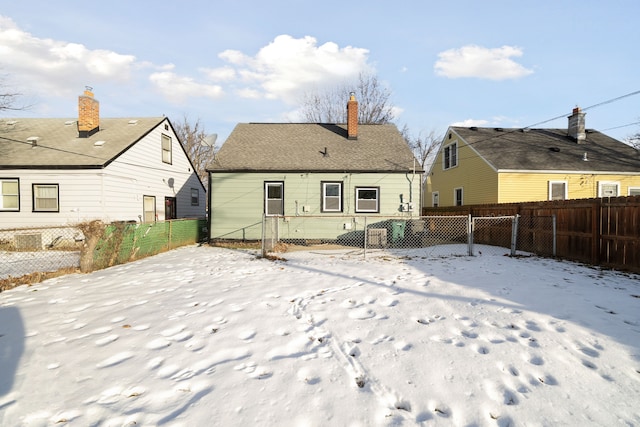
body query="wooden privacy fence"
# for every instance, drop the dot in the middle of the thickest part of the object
(602, 231)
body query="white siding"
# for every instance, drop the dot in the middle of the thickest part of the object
(114, 193)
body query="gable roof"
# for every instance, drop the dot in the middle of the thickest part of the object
(59, 147)
(314, 147)
(550, 150)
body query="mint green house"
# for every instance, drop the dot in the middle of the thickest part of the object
(321, 180)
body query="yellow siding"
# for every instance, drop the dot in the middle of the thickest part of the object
(533, 187)
(478, 180)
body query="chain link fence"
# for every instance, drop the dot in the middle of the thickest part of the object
(30, 250)
(420, 236)
(27, 254)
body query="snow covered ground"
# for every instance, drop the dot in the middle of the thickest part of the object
(204, 336)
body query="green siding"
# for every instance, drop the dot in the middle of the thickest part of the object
(237, 201)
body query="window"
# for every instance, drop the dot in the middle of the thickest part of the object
(195, 197)
(634, 191)
(608, 189)
(435, 199)
(45, 198)
(166, 148)
(457, 196)
(367, 199)
(274, 198)
(450, 156)
(331, 197)
(9, 194)
(149, 208)
(558, 190)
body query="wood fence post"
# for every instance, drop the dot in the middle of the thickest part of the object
(596, 230)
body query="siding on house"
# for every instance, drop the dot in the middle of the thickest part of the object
(237, 210)
(534, 186)
(111, 191)
(473, 174)
(496, 165)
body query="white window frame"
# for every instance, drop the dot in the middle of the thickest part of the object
(455, 196)
(39, 199)
(450, 156)
(149, 208)
(6, 194)
(326, 197)
(566, 189)
(435, 199)
(270, 202)
(167, 149)
(360, 201)
(633, 190)
(602, 184)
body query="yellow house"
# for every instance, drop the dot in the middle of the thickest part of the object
(497, 165)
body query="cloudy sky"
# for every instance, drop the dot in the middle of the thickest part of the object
(491, 63)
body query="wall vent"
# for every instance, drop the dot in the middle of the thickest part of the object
(29, 242)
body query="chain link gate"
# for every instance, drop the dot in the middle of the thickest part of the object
(446, 235)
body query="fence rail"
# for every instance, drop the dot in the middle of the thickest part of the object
(428, 235)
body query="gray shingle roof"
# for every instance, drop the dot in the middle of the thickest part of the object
(550, 150)
(58, 144)
(263, 147)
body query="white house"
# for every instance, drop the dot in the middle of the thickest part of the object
(56, 172)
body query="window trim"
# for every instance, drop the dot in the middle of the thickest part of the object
(455, 196)
(34, 189)
(550, 188)
(324, 197)
(195, 201)
(602, 183)
(377, 200)
(435, 199)
(2, 195)
(167, 150)
(450, 156)
(267, 184)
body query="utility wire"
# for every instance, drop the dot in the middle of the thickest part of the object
(513, 130)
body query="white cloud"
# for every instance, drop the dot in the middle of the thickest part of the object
(288, 66)
(57, 67)
(178, 88)
(481, 62)
(471, 122)
(222, 74)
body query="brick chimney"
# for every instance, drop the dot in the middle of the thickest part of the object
(576, 126)
(88, 114)
(352, 117)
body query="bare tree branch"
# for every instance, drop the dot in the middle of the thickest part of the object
(374, 102)
(424, 147)
(193, 137)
